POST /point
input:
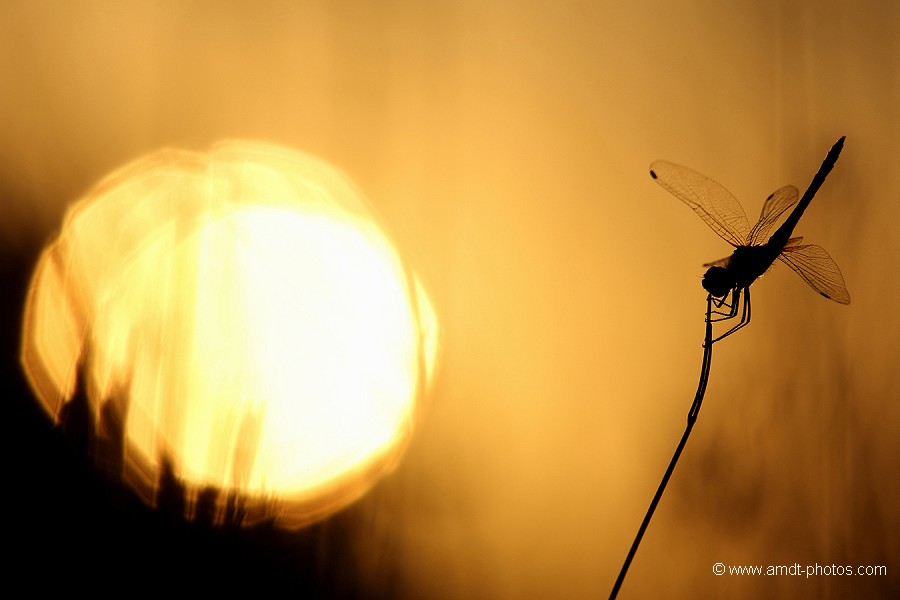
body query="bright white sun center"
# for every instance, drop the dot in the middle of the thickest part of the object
(291, 343)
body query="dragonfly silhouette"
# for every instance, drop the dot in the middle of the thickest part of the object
(751, 257)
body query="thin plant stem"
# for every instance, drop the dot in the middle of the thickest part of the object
(691, 419)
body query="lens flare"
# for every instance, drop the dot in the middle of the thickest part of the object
(238, 321)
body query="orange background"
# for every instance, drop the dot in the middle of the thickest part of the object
(506, 145)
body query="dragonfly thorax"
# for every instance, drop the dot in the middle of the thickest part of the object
(740, 269)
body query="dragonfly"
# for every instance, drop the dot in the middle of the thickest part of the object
(753, 254)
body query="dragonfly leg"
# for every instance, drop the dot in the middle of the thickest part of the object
(732, 308)
(745, 313)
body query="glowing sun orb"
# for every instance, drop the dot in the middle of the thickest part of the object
(234, 321)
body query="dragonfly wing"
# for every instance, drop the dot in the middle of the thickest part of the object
(712, 202)
(813, 264)
(722, 262)
(775, 205)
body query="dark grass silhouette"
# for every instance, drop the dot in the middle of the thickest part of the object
(691, 419)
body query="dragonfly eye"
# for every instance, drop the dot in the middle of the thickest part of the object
(717, 281)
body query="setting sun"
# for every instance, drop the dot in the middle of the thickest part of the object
(240, 318)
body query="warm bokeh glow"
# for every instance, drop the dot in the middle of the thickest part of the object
(240, 315)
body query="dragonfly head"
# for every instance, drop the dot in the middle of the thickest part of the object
(718, 281)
